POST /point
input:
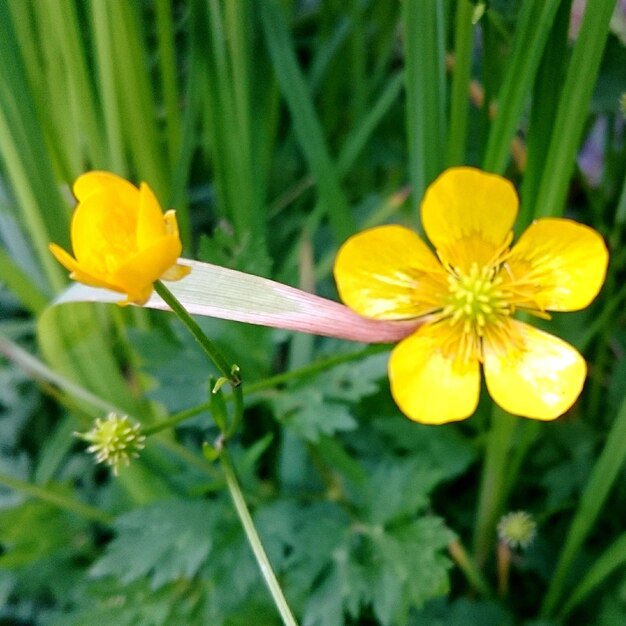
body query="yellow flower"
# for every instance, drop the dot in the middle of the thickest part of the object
(120, 237)
(468, 293)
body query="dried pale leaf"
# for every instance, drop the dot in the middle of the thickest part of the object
(216, 291)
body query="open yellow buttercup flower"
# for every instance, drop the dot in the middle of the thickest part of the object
(468, 293)
(121, 238)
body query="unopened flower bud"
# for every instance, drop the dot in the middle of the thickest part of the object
(517, 529)
(114, 441)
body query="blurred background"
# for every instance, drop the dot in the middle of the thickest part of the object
(277, 129)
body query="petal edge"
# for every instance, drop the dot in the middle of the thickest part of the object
(541, 381)
(428, 387)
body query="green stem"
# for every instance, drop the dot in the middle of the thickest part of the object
(56, 499)
(206, 344)
(227, 465)
(314, 368)
(212, 351)
(175, 419)
(468, 566)
(494, 483)
(269, 383)
(254, 540)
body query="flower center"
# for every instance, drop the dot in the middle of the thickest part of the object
(476, 307)
(476, 299)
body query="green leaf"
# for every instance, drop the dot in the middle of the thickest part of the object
(108, 602)
(239, 253)
(351, 382)
(36, 530)
(444, 448)
(310, 413)
(165, 541)
(391, 572)
(399, 489)
(465, 611)
(178, 368)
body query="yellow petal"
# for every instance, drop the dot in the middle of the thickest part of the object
(559, 264)
(93, 182)
(138, 274)
(78, 272)
(104, 230)
(389, 273)
(428, 387)
(541, 379)
(176, 272)
(65, 259)
(150, 221)
(468, 215)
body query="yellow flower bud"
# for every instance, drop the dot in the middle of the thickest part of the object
(120, 237)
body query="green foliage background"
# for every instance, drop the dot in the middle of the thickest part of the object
(277, 128)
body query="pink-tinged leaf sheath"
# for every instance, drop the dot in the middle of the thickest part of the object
(215, 291)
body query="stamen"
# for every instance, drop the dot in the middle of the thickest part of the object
(476, 308)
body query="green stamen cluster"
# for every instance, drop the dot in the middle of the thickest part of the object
(475, 299)
(517, 529)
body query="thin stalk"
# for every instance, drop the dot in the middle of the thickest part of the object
(56, 499)
(230, 373)
(468, 566)
(175, 419)
(494, 482)
(268, 383)
(211, 350)
(254, 540)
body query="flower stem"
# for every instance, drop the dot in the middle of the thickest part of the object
(268, 383)
(254, 539)
(314, 368)
(494, 484)
(231, 374)
(467, 565)
(211, 350)
(206, 344)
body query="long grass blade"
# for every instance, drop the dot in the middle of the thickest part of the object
(533, 28)
(423, 30)
(306, 124)
(593, 498)
(573, 108)
(459, 97)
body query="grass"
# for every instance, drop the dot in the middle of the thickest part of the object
(277, 130)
